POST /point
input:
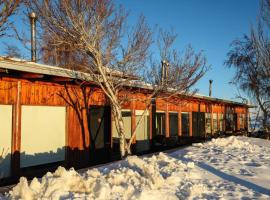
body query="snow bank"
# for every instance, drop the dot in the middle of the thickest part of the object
(134, 178)
(229, 143)
(196, 172)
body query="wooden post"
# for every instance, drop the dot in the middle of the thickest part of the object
(150, 123)
(179, 122)
(247, 120)
(190, 124)
(16, 133)
(153, 118)
(218, 125)
(212, 124)
(238, 121)
(133, 121)
(224, 122)
(167, 122)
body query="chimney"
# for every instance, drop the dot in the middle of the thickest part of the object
(33, 19)
(164, 71)
(163, 62)
(210, 87)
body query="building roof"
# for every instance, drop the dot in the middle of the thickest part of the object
(32, 67)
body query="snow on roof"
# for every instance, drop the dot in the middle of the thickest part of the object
(32, 67)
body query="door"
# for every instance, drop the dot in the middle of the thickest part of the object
(201, 124)
(229, 122)
(195, 124)
(100, 126)
(234, 121)
(185, 124)
(173, 117)
(198, 124)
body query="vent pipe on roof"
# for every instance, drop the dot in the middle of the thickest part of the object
(33, 19)
(210, 87)
(164, 71)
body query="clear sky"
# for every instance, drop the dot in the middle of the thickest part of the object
(208, 25)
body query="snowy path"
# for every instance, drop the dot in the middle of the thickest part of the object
(225, 168)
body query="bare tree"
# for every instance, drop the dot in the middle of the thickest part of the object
(7, 9)
(180, 71)
(250, 56)
(93, 36)
(176, 74)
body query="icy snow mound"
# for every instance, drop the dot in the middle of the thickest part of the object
(232, 142)
(134, 178)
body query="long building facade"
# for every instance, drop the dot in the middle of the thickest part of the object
(48, 120)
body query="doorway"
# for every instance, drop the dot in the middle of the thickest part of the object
(100, 125)
(198, 124)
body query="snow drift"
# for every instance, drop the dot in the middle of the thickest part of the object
(179, 175)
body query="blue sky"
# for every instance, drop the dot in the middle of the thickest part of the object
(208, 25)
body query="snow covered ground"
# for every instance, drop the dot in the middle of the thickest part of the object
(225, 168)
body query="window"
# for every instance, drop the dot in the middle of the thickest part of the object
(208, 123)
(185, 124)
(143, 129)
(221, 118)
(126, 115)
(244, 121)
(229, 122)
(215, 123)
(160, 123)
(42, 135)
(241, 121)
(173, 117)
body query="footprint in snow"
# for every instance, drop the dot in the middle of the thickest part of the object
(253, 164)
(215, 160)
(245, 172)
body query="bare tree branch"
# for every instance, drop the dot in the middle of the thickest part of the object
(7, 9)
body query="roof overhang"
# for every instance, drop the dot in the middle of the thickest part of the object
(32, 67)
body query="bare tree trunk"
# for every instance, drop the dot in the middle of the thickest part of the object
(265, 125)
(124, 148)
(137, 124)
(265, 116)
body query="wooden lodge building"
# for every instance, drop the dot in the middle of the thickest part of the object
(40, 129)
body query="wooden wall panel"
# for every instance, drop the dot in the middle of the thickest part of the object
(202, 107)
(8, 90)
(41, 94)
(241, 110)
(48, 93)
(161, 104)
